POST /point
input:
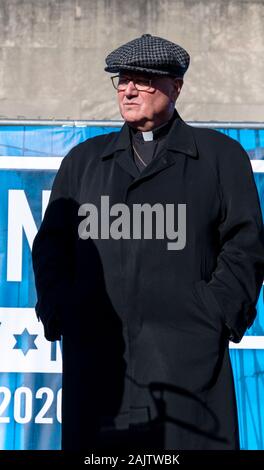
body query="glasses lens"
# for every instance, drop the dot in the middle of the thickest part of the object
(115, 81)
(123, 82)
(141, 84)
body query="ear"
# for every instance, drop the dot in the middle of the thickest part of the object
(178, 85)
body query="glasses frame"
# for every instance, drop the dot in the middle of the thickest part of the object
(135, 85)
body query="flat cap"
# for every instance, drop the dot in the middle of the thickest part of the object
(149, 54)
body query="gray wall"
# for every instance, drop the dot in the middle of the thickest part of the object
(52, 55)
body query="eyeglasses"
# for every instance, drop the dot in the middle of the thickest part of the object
(120, 83)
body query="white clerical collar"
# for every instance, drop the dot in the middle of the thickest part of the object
(147, 136)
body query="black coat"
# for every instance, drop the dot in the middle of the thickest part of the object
(146, 329)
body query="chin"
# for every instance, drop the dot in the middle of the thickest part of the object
(131, 117)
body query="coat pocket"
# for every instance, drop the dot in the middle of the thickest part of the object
(209, 304)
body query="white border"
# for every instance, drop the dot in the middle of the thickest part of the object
(53, 163)
(30, 163)
(249, 342)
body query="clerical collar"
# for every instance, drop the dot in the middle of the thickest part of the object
(155, 134)
(147, 136)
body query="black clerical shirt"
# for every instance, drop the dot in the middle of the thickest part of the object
(148, 145)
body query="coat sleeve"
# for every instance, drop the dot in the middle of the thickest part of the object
(52, 253)
(237, 279)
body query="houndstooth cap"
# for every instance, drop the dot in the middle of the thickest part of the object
(149, 54)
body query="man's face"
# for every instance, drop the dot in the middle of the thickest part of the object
(147, 109)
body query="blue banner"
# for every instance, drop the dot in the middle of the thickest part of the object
(30, 366)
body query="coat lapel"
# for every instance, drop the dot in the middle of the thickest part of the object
(124, 158)
(180, 140)
(120, 149)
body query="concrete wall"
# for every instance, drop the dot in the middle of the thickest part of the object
(52, 55)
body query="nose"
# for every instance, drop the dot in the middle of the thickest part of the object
(131, 89)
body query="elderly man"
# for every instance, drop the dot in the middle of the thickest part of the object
(150, 258)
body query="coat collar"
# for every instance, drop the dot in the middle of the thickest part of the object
(180, 140)
(121, 141)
